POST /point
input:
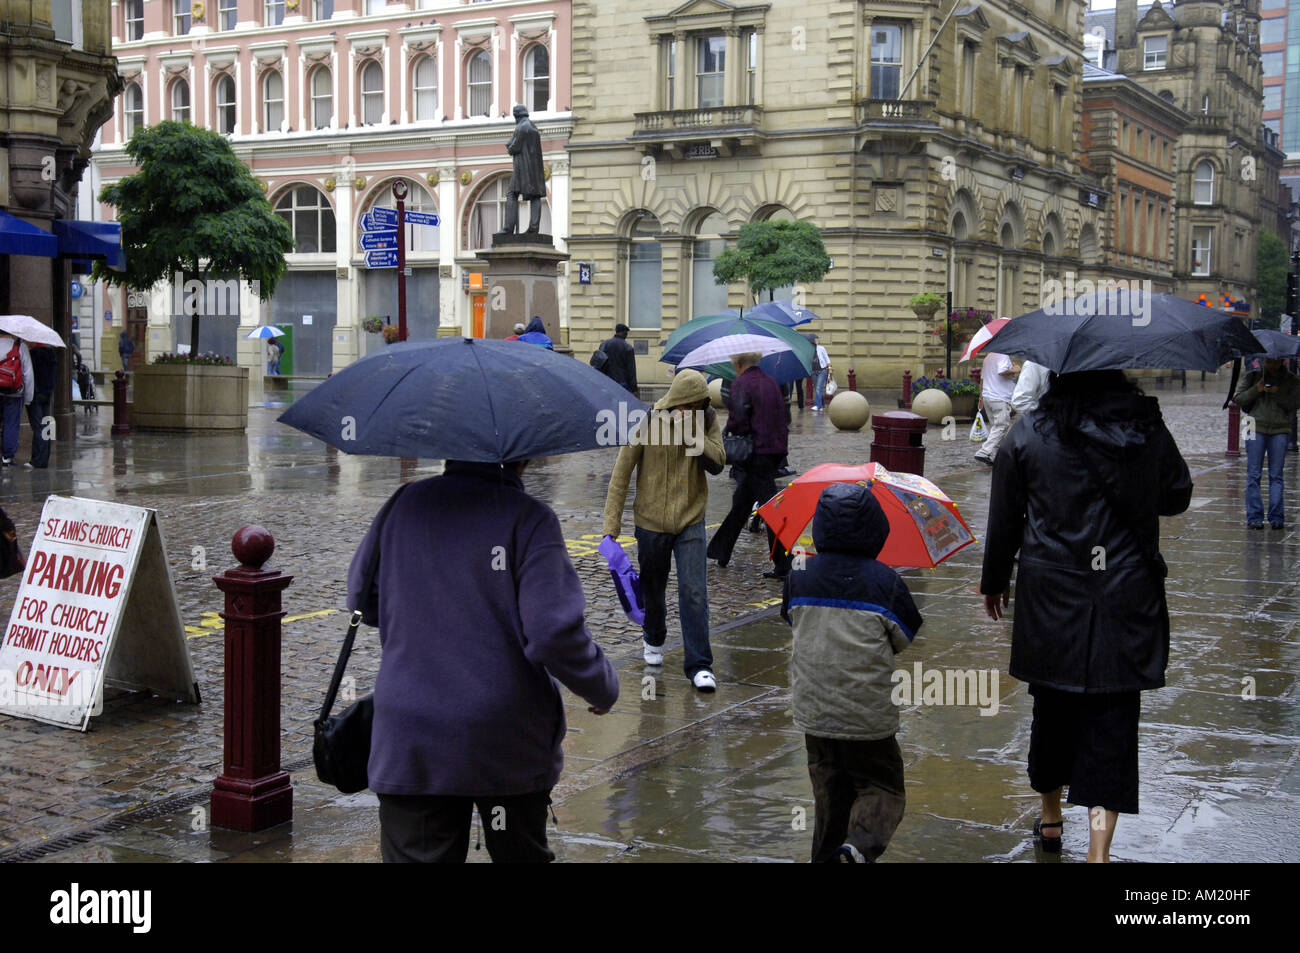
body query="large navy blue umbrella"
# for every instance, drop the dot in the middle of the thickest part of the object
(470, 399)
(782, 311)
(1123, 330)
(1278, 344)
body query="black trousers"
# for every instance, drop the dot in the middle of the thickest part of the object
(1089, 742)
(432, 829)
(756, 484)
(37, 411)
(858, 791)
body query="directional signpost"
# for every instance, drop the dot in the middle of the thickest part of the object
(383, 239)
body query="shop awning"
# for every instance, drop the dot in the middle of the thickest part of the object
(85, 240)
(19, 238)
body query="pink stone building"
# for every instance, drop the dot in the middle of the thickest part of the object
(329, 103)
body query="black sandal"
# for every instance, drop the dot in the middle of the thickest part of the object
(1051, 845)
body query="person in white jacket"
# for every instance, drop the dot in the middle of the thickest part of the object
(1030, 386)
(14, 401)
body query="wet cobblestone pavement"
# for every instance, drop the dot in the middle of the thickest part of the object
(669, 774)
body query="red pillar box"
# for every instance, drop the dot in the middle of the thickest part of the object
(252, 793)
(897, 441)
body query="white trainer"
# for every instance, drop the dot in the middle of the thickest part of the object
(704, 681)
(653, 654)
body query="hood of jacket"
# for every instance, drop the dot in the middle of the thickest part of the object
(849, 520)
(536, 325)
(688, 386)
(1120, 425)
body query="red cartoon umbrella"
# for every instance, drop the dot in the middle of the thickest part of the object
(924, 525)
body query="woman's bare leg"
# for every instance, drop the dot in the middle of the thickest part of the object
(1101, 829)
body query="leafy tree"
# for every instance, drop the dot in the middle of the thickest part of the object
(1271, 266)
(194, 208)
(770, 255)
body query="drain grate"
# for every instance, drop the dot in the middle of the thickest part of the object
(171, 805)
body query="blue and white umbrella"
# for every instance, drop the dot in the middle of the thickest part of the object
(264, 331)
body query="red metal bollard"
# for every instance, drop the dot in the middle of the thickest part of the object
(907, 391)
(1234, 430)
(120, 422)
(252, 793)
(853, 379)
(809, 394)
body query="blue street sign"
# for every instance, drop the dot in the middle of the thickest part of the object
(378, 240)
(584, 272)
(421, 218)
(381, 258)
(379, 214)
(371, 225)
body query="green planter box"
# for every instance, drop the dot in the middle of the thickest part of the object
(190, 397)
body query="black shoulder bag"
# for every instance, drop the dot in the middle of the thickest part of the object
(341, 748)
(739, 447)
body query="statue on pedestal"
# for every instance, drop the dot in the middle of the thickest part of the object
(529, 179)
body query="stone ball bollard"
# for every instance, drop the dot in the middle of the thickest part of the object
(932, 404)
(849, 410)
(715, 393)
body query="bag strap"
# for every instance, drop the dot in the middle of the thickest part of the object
(345, 653)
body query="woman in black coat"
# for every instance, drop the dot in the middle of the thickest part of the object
(1078, 489)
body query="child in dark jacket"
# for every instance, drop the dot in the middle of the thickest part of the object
(851, 614)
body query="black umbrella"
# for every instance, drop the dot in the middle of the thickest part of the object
(1277, 344)
(1123, 330)
(467, 399)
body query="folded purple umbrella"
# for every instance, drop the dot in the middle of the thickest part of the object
(626, 582)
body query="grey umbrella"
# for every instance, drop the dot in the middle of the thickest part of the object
(1125, 330)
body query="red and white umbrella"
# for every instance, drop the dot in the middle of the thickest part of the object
(982, 337)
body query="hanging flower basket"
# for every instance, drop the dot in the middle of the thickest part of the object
(925, 305)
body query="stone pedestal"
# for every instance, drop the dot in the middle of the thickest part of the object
(522, 281)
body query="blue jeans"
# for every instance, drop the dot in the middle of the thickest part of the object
(819, 387)
(1274, 444)
(13, 416)
(655, 552)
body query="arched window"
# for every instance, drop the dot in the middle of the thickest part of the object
(426, 88)
(537, 78)
(322, 97)
(225, 105)
(418, 199)
(1203, 183)
(645, 274)
(181, 100)
(959, 227)
(272, 101)
(1088, 250)
(489, 213)
(480, 84)
(372, 94)
(707, 295)
(1049, 245)
(1008, 267)
(309, 214)
(1167, 96)
(134, 108)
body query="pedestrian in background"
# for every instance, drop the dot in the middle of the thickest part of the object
(275, 350)
(1031, 385)
(17, 388)
(1077, 493)
(480, 613)
(519, 329)
(535, 333)
(823, 364)
(672, 493)
(1270, 395)
(756, 409)
(851, 615)
(997, 386)
(125, 348)
(45, 366)
(621, 364)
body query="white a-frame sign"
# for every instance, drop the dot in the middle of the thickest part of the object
(96, 606)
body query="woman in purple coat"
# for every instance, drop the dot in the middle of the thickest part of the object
(480, 613)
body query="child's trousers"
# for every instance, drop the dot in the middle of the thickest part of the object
(858, 791)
